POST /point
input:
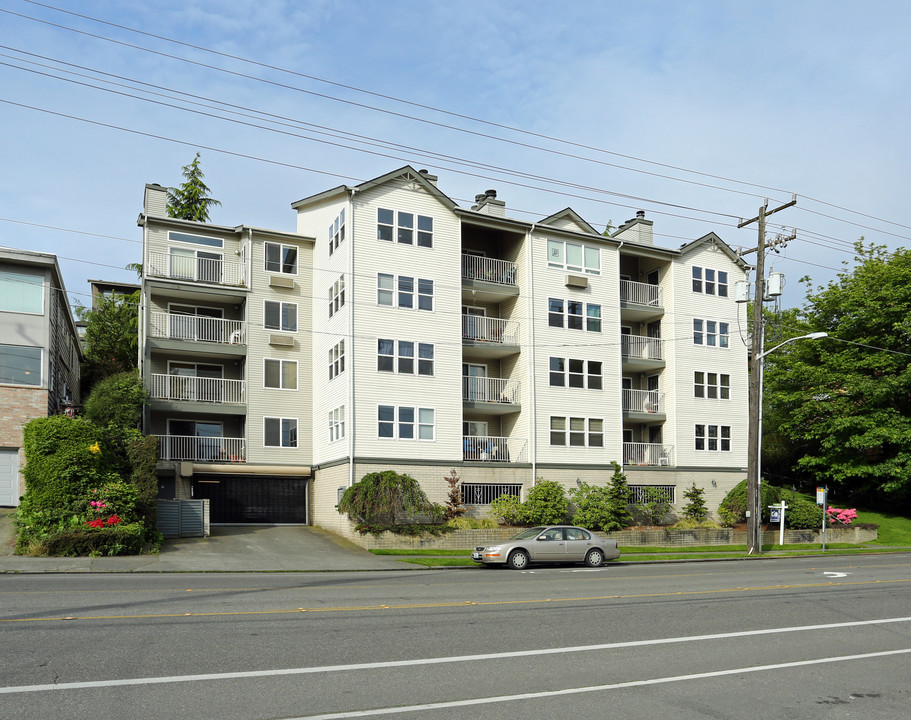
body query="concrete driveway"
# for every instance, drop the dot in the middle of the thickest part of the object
(252, 548)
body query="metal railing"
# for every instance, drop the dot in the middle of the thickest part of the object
(645, 401)
(202, 449)
(197, 328)
(475, 267)
(197, 389)
(639, 346)
(494, 330)
(640, 293)
(214, 271)
(648, 454)
(492, 390)
(485, 493)
(487, 448)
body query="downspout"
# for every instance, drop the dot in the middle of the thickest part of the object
(349, 288)
(532, 363)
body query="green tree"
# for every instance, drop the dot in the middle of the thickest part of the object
(695, 508)
(385, 498)
(111, 336)
(117, 400)
(619, 493)
(546, 504)
(844, 407)
(191, 201)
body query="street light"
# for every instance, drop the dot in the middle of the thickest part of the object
(754, 460)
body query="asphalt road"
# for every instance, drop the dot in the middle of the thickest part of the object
(783, 638)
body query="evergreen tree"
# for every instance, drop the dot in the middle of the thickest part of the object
(190, 201)
(620, 496)
(695, 508)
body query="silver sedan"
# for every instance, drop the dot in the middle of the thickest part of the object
(549, 544)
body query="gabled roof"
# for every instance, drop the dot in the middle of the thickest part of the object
(713, 239)
(573, 217)
(406, 173)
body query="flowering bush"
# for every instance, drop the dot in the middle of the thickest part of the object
(839, 516)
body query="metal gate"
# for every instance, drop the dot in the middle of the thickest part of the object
(253, 499)
(183, 518)
(9, 476)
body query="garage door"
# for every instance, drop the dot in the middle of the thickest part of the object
(9, 477)
(251, 499)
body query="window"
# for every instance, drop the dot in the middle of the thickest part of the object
(281, 258)
(640, 494)
(337, 232)
(20, 365)
(578, 316)
(280, 374)
(582, 432)
(196, 239)
(337, 424)
(20, 292)
(399, 291)
(337, 295)
(710, 282)
(398, 356)
(711, 333)
(280, 316)
(713, 438)
(337, 360)
(712, 385)
(399, 423)
(400, 227)
(573, 256)
(280, 432)
(582, 373)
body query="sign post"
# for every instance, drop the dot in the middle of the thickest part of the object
(822, 499)
(776, 514)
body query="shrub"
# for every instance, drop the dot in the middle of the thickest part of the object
(122, 539)
(385, 499)
(454, 506)
(547, 503)
(508, 510)
(471, 523)
(695, 508)
(735, 502)
(692, 524)
(656, 504)
(116, 401)
(802, 514)
(618, 490)
(142, 455)
(596, 508)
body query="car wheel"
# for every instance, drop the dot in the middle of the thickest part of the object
(518, 560)
(595, 558)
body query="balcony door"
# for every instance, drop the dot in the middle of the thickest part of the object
(474, 379)
(195, 440)
(473, 322)
(191, 322)
(189, 264)
(196, 381)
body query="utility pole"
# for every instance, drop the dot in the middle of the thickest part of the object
(754, 500)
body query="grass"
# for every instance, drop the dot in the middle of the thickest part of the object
(893, 529)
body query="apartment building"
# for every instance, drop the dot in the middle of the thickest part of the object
(409, 333)
(39, 355)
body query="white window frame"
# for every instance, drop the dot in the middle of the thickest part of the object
(337, 232)
(205, 240)
(281, 374)
(397, 357)
(558, 256)
(337, 296)
(711, 333)
(7, 379)
(708, 281)
(720, 389)
(712, 438)
(416, 294)
(337, 424)
(591, 432)
(587, 373)
(292, 442)
(410, 417)
(281, 315)
(282, 248)
(18, 284)
(337, 359)
(406, 228)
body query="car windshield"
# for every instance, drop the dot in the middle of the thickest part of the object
(530, 533)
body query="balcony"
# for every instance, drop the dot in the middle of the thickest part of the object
(640, 301)
(202, 449)
(647, 405)
(495, 279)
(490, 396)
(648, 454)
(489, 337)
(181, 388)
(486, 448)
(210, 271)
(640, 352)
(199, 336)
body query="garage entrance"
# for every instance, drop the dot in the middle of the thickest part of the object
(9, 477)
(253, 499)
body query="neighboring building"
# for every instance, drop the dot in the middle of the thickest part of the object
(440, 337)
(39, 355)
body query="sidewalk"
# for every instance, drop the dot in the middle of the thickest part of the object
(261, 548)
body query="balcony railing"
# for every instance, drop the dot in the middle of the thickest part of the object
(639, 346)
(202, 449)
(491, 390)
(640, 293)
(475, 267)
(493, 330)
(486, 493)
(648, 454)
(485, 448)
(197, 328)
(643, 401)
(197, 389)
(213, 271)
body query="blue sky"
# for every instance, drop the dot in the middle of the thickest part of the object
(807, 97)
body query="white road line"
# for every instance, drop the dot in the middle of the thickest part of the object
(590, 689)
(434, 661)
